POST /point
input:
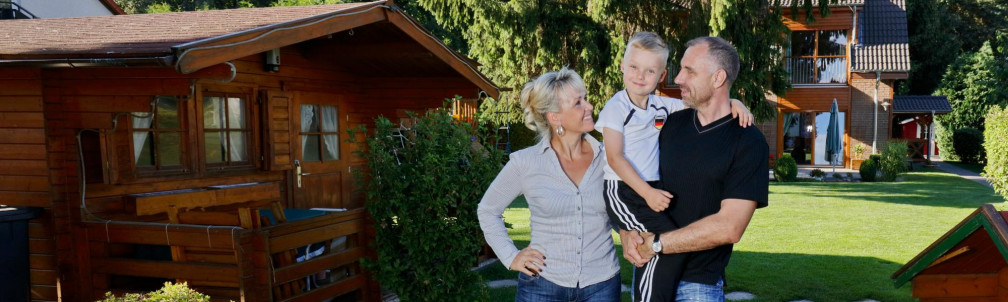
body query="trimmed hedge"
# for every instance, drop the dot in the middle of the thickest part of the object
(869, 169)
(996, 170)
(785, 169)
(894, 160)
(967, 143)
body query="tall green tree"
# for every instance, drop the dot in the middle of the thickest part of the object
(974, 83)
(941, 30)
(517, 40)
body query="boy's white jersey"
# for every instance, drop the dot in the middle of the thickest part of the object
(640, 128)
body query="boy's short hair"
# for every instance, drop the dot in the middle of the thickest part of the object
(649, 41)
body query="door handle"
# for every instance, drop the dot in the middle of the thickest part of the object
(297, 172)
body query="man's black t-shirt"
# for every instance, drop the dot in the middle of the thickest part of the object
(703, 165)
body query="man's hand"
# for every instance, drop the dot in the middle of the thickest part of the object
(631, 240)
(738, 109)
(658, 200)
(645, 249)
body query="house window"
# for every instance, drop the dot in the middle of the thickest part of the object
(226, 130)
(818, 57)
(319, 133)
(804, 136)
(157, 136)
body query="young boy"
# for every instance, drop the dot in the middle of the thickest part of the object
(630, 122)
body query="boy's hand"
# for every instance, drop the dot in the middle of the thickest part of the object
(657, 200)
(740, 111)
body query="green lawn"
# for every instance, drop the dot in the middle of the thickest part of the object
(828, 241)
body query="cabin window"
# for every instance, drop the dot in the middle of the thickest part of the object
(818, 57)
(157, 136)
(319, 133)
(226, 130)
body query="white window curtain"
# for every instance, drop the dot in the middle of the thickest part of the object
(141, 120)
(307, 118)
(330, 123)
(236, 120)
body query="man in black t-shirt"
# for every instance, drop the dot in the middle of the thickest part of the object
(716, 169)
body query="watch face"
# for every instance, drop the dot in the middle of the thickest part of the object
(656, 246)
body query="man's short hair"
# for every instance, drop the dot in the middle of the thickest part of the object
(723, 54)
(649, 41)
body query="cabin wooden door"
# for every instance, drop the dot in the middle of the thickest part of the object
(320, 173)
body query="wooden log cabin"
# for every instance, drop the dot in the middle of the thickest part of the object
(968, 263)
(191, 146)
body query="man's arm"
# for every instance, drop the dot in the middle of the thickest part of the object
(724, 227)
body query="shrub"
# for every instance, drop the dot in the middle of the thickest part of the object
(858, 151)
(423, 186)
(785, 169)
(869, 168)
(169, 293)
(967, 143)
(817, 173)
(996, 170)
(894, 160)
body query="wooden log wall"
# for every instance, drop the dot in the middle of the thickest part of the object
(24, 172)
(44, 110)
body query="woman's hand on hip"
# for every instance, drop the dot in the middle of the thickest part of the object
(529, 261)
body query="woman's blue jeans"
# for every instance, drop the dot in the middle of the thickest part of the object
(538, 289)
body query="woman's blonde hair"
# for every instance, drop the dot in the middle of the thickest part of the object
(543, 94)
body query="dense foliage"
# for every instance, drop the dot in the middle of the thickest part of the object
(974, 83)
(869, 170)
(785, 169)
(967, 143)
(517, 40)
(894, 160)
(941, 30)
(423, 185)
(169, 293)
(996, 170)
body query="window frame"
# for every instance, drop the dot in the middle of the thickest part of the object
(185, 162)
(251, 131)
(320, 134)
(815, 57)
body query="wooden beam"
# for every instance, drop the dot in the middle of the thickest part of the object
(164, 269)
(302, 269)
(200, 54)
(434, 46)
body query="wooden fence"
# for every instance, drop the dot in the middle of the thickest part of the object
(234, 263)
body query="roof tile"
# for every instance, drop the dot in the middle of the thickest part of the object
(142, 34)
(921, 104)
(883, 43)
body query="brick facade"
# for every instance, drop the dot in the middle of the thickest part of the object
(861, 119)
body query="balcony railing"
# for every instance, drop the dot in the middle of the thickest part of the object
(817, 70)
(11, 10)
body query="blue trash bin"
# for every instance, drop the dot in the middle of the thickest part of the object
(15, 282)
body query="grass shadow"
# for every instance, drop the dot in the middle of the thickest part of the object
(819, 278)
(924, 187)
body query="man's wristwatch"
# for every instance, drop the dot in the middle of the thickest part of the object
(656, 245)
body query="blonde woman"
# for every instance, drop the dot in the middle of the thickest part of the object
(571, 256)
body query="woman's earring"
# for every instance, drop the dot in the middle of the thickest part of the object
(559, 131)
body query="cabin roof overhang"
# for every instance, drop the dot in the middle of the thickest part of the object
(180, 40)
(984, 223)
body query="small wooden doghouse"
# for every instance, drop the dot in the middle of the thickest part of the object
(193, 146)
(966, 264)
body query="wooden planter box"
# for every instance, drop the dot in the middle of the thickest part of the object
(855, 164)
(233, 263)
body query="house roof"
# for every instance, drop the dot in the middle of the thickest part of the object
(194, 40)
(977, 245)
(883, 43)
(921, 104)
(815, 3)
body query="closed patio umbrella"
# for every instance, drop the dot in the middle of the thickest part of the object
(834, 143)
